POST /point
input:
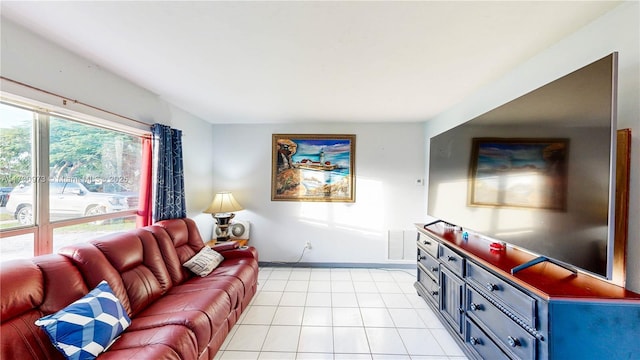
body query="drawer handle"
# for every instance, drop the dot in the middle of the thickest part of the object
(513, 342)
(421, 257)
(475, 341)
(434, 293)
(451, 258)
(475, 307)
(434, 269)
(491, 287)
(426, 242)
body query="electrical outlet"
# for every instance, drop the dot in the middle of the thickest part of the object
(308, 245)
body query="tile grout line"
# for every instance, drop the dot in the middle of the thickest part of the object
(333, 276)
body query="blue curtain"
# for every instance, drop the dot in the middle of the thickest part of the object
(169, 189)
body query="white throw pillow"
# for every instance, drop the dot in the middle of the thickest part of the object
(204, 261)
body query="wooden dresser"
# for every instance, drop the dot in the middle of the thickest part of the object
(540, 312)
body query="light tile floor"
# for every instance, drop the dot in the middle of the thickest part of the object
(338, 314)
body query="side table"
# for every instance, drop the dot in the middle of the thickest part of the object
(240, 242)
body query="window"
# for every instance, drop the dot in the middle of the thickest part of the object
(63, 179)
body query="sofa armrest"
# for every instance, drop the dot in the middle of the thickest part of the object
(241, 252)
(225, 246)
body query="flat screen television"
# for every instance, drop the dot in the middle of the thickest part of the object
(538, 172)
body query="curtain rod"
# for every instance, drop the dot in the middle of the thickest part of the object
(66, 99)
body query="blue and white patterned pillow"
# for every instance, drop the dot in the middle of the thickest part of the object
(87, 326)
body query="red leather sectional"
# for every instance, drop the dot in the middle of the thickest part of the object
(175, 314)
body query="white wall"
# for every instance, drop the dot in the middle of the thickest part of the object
(389, 159)
(618, 30)
(29, 59)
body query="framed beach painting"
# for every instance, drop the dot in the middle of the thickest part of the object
(528, 173)
(313, 167)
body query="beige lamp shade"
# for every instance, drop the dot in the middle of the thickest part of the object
(223, 202)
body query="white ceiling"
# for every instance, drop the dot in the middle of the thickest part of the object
(268, 62)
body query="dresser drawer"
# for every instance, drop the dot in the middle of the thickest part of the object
(451, 260)
(480, 343)
(429, 244)
(430, 285)
(514, 339)
(429, 262)
(516, 301)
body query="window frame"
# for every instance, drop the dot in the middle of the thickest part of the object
(43, 228)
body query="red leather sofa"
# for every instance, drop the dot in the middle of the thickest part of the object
(174, 314)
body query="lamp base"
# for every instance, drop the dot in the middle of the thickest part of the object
(223, 220)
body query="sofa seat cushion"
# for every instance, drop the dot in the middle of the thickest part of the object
(86, 327)
(199, 311)
(230, 285)
(164, 342)
(232, 266)
(241, 269)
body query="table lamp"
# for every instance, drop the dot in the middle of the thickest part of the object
(221, 209)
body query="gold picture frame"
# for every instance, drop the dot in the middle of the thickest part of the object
(310, 167)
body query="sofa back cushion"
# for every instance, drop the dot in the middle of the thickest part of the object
(22, 288)
(63, 282)
(24, 291)
(179, 240)
(136, 256)
(95, 267)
